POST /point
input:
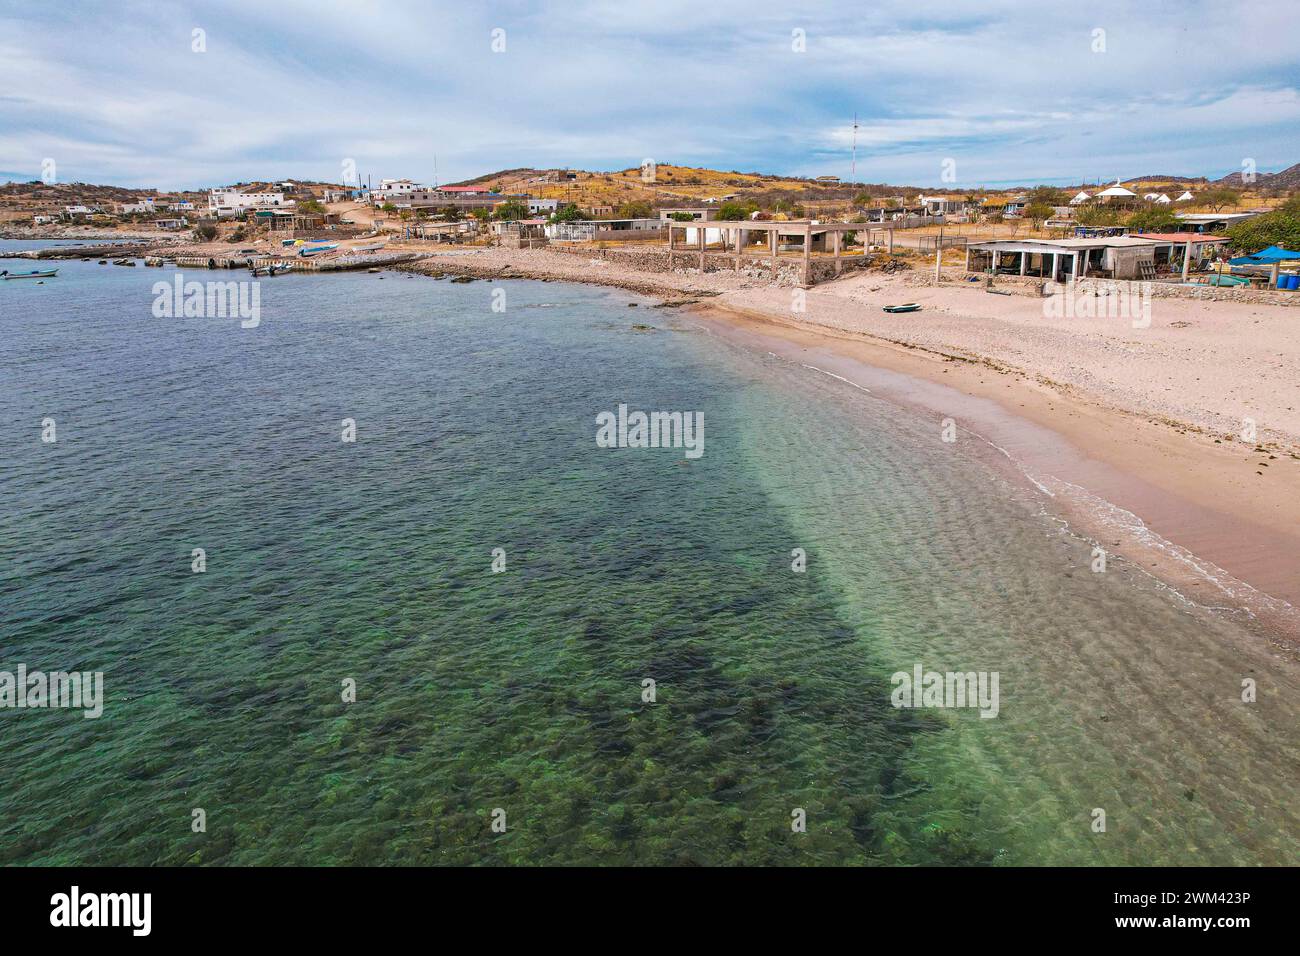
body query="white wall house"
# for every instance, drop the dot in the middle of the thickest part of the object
(537, 207)
(233, 202)
(394, 191)
(139, 205)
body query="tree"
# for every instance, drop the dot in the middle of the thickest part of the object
(1154, 219)
(681, 217)
(205, 231)
(1038, 213)
(636, 209)
(734, 210)
(512, 209)
(310, 205)
(1047, 195)
(450, 213)
(568, 213)
(1219, 198)
(1278, 228)
(1096, 216)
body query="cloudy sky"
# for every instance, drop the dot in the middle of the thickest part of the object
(1007, 93)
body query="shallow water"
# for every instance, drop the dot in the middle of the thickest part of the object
(522, 690)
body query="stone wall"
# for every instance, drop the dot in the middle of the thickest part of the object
(789, 268)
(1032, 286)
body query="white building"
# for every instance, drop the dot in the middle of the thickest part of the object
(542, 207)
(233, 202)
(394, 191)
(137, 206)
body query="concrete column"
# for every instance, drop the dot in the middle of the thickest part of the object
(1056, 265)
(835, 246)
(1187, 260)
(996, 256)
(807, 252)
(700, 237)
(772, 243)
(1074, 268)
(1024, 262)
(739, 232)
(890, 248)
(671, 232)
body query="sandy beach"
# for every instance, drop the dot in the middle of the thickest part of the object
(1134, 434)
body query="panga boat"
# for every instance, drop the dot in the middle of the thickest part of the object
(905, 307)
(271, 270)
(313, 250)
(369, 246)
(34, 274)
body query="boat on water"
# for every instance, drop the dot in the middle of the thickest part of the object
(274, 269)
(34, 274)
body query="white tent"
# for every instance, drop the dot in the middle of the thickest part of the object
(1156, 198)
(1116, 192)
(1185, 197)
(1080, 199)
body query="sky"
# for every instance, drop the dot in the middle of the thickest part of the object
(947, 94)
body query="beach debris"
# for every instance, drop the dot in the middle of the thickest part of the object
(463, 279)
(631, 305)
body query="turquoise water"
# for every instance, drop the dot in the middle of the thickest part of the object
(522, 691)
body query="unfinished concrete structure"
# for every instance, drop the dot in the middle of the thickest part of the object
(775, 243)
(1112, 257)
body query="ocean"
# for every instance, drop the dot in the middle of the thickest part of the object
(476, 636)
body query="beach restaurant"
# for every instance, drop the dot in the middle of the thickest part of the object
(1110, 257)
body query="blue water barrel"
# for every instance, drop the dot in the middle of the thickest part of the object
(1293, 282)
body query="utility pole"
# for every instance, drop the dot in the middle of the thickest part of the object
(853, 175)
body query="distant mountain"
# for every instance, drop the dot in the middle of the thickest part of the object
(1288, 178)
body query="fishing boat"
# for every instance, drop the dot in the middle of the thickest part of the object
(369, 246)
(905, 307)
(34, 274)
(315, 250)
(272, 270)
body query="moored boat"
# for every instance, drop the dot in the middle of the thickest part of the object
(34, 274)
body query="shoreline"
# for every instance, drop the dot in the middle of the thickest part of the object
(1155, 491)
(1137, 496)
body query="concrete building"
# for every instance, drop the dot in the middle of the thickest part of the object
(1212, 221)
(696, 214)
(762, 242)
(542, 207)
(598, 230)
(235, 202)
(1113, 257)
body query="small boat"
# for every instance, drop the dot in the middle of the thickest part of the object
(34, 274)
(316, 250)
(272, 270)
(369, 246)
(905, 307)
